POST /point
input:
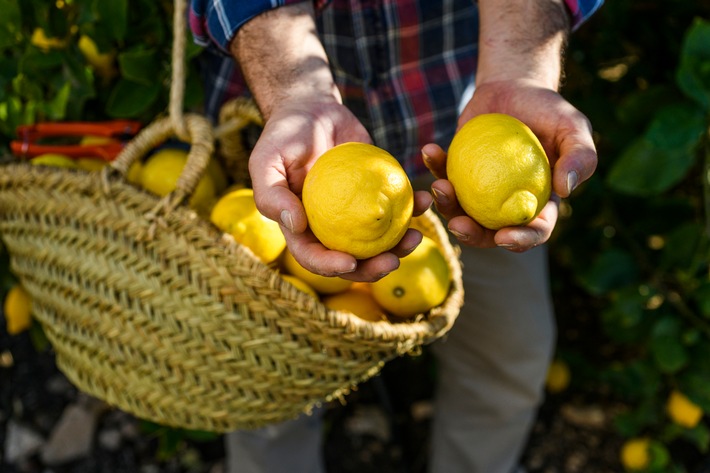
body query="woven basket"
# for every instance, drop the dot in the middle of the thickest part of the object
(154, 310)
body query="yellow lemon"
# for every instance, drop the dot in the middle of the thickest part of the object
(236, 214)
(42, 41)
(103, 63)
(420, 283)
(160, 174)
(96, 140)
(54, 160)
(91, 164)
(499, 170)
(18, 310)
(358, 199)
(357, 299)
(322, 284)
(300, 285)
(558, 376)
(134, 172)
(682, 410)
(635, 454)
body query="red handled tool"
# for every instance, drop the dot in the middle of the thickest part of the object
(33, 140)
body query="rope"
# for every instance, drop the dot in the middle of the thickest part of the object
(177, 86)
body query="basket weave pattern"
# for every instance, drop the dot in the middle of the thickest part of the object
(174, 321)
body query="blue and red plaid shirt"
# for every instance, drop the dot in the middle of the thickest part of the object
(401, 66)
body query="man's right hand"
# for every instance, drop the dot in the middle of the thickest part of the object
(287, 70)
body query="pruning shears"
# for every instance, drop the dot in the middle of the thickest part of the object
(63, 138)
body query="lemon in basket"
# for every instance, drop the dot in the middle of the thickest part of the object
(54, 160)
(300, 284)
(236, 213)
(322, 284)
(499, 171)
(420, 283)
(357, 299)
(160, 174)
(358, 199)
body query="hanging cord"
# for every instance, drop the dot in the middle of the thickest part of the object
(177, 85)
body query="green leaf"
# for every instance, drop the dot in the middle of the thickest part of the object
(141, 66)
(611, 269)
(662, 157)
(698, 436)
(129, 99)
(36, 63)
(632, 422)
(702, 298)
(56, 108)
(113, 17)
(681, 246)
(10, 33)
(623, 321)
(659, 457)
(693, 76)
(666, 345)
(693, 381)
(637, 380)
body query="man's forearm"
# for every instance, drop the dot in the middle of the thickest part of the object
(282, 57)
(522, 39)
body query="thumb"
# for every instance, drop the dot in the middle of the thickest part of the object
(577, 159)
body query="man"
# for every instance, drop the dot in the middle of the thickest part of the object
(400, 74)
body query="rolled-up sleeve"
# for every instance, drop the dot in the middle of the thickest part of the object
(217, 21)
(581, 10)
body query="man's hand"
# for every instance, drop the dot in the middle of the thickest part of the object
(287, 70)
(518, 74)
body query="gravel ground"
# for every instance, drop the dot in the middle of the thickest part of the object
(383, 427)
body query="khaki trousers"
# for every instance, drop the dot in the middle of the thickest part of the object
(491, 366)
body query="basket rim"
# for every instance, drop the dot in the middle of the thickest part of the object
(424, 327)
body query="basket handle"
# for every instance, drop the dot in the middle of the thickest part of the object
(192, 128)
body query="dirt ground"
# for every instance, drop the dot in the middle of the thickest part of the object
(383, 427)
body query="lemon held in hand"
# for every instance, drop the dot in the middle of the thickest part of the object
(499, 170)
(358, 200)
(420, 283)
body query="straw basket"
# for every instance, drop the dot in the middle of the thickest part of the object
(155, 311)
(152, 309)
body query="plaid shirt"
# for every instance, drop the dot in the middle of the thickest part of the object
(401, 66)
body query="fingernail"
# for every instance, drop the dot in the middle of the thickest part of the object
(287, 220)
(572, 179)
(408, 251)
(459, 235)
(426, 157)
(439, 196)
(507, 245)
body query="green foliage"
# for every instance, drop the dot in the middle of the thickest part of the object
(634, 256)
(638, 243)
(45, 76)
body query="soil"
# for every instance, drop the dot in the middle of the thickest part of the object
(382, 427)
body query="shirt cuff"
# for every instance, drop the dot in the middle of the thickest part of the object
(581, 10)
(217, 21)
